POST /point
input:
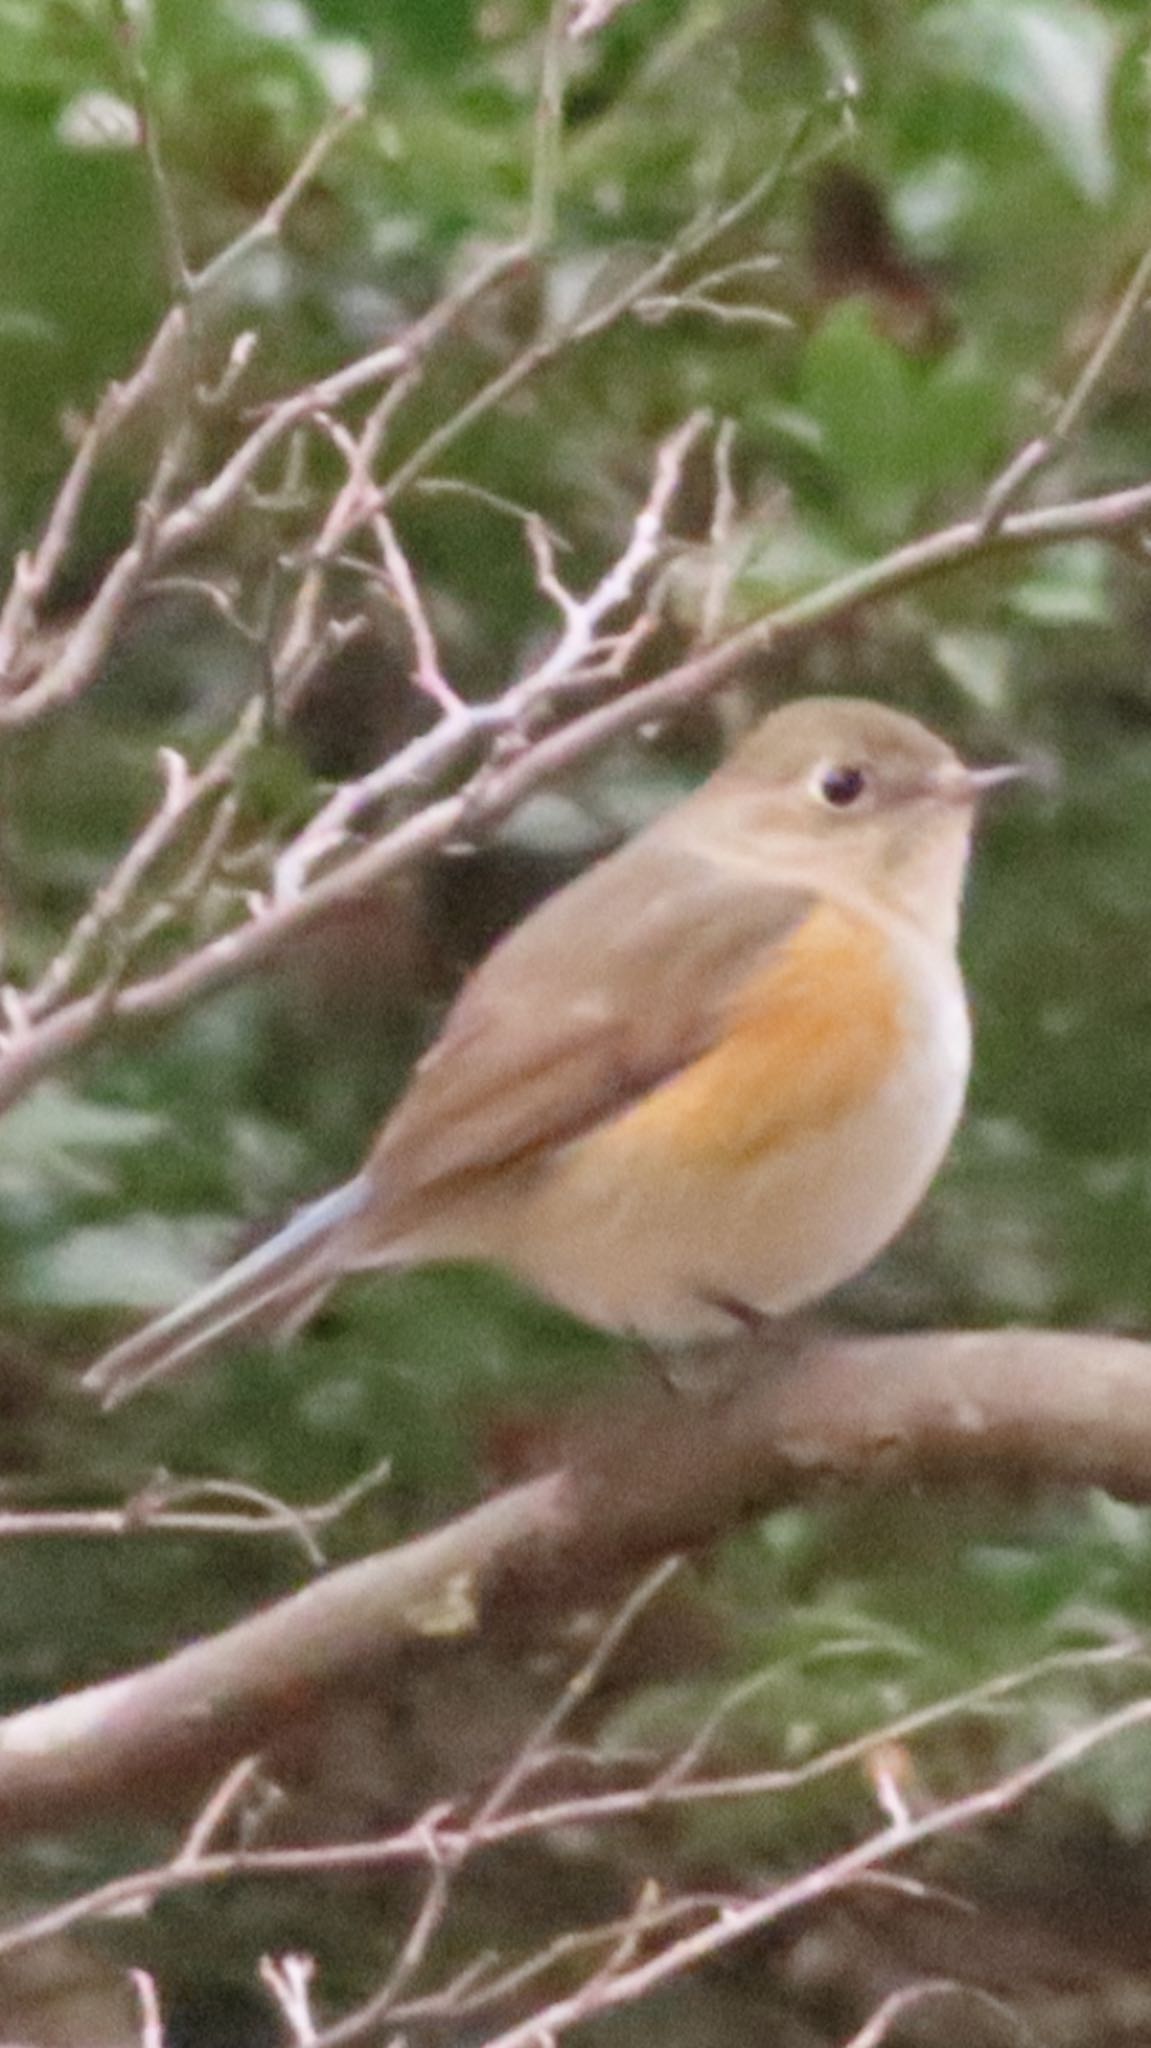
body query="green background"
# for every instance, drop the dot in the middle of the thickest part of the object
(947, 252)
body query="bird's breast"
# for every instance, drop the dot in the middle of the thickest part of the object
(808, 1040)
(771, 1168)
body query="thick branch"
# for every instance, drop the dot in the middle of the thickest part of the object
(653, 1474)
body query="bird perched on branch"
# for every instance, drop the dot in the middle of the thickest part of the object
(703, 1084)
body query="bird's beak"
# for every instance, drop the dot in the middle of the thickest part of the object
(982, 779)
(966, 785)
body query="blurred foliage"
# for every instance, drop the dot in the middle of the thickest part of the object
(946, 264)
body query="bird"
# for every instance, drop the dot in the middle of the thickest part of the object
(699, 1087)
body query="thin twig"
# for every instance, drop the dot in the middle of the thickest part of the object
(233, 1787)
(428, 675)
(706, 231)
(129, 28)
(237, 953)
(168, 531)
(432, 1841)
(659, 307)
(36, 571)
(579, 1687)
(585, 17)
(183, 794)
(547, 140)
(428, 1921)
(270, 224)
(289, 1981)
(154, 1509)
(151, 2016)
(579, 657)
(1035, 455)
(818, 1883)
(886, 2016)
(477, 1989)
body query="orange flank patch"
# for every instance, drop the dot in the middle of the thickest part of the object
(809, 1039)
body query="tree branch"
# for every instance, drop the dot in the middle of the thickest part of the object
(649, 1475)
(497, 787)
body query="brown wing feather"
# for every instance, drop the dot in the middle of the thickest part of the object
(615, 984)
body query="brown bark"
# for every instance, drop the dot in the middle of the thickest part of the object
(639, 1477)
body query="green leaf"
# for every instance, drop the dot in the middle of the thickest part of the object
(1066, 586)
(857, 387)
(45, 50)
(52, 1135)
(1052, 62)
(959, 422)
(787, 559)
(146, 1263)
(978, 662)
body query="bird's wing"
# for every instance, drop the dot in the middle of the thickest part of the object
(612, 987)
(618, 983)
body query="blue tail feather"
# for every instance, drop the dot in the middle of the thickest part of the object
(279, 1281)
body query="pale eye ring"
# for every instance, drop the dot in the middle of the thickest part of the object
(841, 784)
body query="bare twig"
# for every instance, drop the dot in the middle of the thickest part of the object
(151, 2017)
(565, 668)
(434, 1843)
(270, 224)
(165, 374)
(578, 1688)
(233, 1788)
(625, 1976)
(183, 795)
(160, 1506)
(289, 1980)
(642, 1479)
(721, 569)
(169, 530)
(129, 37)
(659, 307)
(548, 137)
(879, 2027)
(1035, 455)
(584, 617)
(478, 1988)
(428, 675)
(473, 810)
(382, 2003)
(820, 1882)
(585, 17)
(36, 571)
(669, 1787)
(706, 231)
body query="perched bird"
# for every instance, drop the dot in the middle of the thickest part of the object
(702, 1084)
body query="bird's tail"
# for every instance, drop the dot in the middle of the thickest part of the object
(275, 1288)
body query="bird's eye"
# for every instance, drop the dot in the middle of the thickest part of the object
(841, 787)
